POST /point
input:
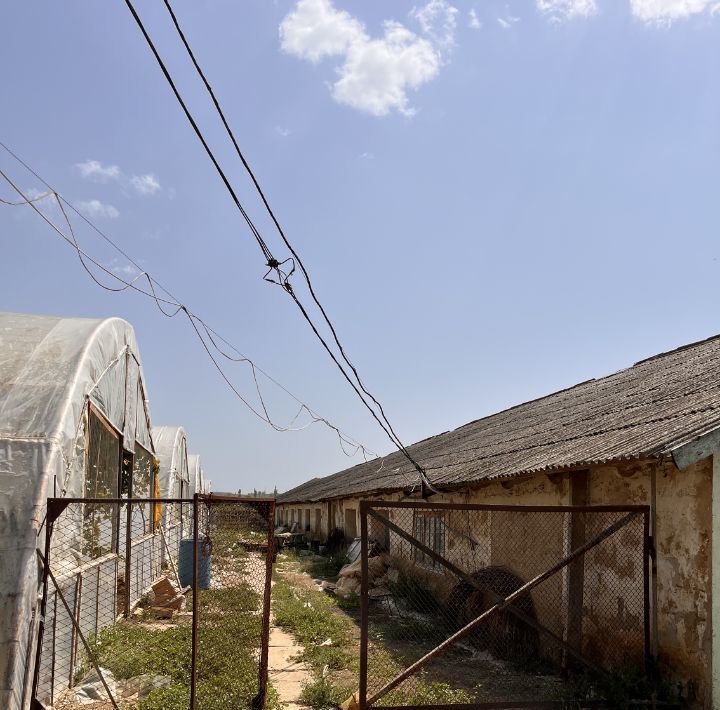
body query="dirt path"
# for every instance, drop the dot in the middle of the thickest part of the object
(287, 676)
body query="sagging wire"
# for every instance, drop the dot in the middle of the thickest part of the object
(175, 307)
(344, 438)
(283, 278)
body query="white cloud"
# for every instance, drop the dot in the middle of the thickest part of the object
(315, 29)
(367, 156)
(508, 21)
(378, 72)
(96, 171)
(44, 201)
(95, 208)
(438, 21)
(145, 184)
(474, 20)
(665, 12)
(375, 74)
(284, 132)
(561, 10)
(125, 270)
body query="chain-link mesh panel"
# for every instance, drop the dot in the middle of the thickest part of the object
(235, 553)
(112, 579)
(440, 573)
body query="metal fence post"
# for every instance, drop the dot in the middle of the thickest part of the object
(267, 590)
(647, 561)
(43, 606)
(193, 651)
(363, 604)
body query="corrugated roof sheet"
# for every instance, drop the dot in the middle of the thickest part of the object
(643, 411)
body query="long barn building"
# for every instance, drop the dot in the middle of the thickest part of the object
(649, 434)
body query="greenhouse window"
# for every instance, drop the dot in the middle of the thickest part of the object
(102, 474)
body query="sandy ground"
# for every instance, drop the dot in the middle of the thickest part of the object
(286, 675)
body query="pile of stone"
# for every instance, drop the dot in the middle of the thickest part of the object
(92, 691)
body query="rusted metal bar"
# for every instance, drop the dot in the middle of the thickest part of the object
(214, 497)
(259, 702)
(78, 630)
(469, 579)
(57, 505)
(646, 562)
(507, 705)
(195, 607)
(128, 551)
(97, 601)
(43, 610)
(76, 615)
(520, 704)
(512, 508)
(524, 589)
(653, 565)
(362, 692)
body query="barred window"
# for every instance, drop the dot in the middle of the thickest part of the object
(430, 531)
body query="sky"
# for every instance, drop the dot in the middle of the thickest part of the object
(495, 200)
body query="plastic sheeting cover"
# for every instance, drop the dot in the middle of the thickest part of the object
(49, 369)
(171, 450)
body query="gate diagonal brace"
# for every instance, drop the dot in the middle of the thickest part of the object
(501, 603)
(77, 628)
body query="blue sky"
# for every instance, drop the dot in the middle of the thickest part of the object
(495, 199)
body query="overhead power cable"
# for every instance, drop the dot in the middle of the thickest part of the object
(208, 339)
(283, 277)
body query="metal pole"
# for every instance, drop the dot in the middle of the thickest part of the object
(43, 608)
(646, 591)
(653, 567)
(265, 634)
(128, 550)
(193, 651)
(362, 700)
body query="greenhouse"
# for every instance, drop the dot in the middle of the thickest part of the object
(174, 478)
(198, 482)
(74, 422)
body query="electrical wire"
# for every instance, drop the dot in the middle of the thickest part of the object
(272, 263)
(175, 307)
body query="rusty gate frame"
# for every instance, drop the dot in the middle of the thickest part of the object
(367, 509)
(56, 507)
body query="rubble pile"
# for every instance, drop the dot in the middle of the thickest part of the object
(381, 576)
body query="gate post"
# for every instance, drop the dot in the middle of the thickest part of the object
(362, 692)
(259, 701)
(193, 648)
(43, 609)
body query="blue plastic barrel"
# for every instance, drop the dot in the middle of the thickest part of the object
(185, 562)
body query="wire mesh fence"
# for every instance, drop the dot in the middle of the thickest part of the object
(120, 625)
(233, 602)
(483, 605)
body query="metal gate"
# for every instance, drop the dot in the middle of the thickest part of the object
(502, 606)
(165, 601)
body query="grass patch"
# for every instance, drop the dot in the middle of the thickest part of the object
(308, 616)
(324, 566)
(312, 617)
(323, 693)
(229, 631)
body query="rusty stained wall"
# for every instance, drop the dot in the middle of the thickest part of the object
(684, 529)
